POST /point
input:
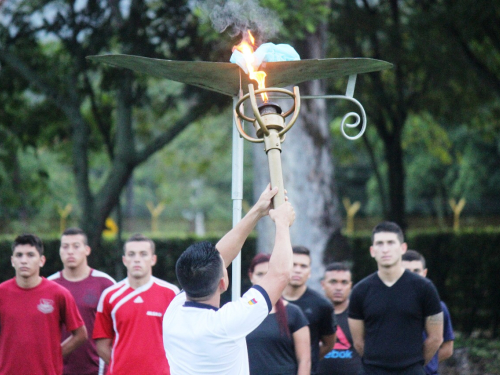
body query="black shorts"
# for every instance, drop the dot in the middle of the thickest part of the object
(416, 369)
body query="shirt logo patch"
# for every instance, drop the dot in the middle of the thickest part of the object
(342, 342)
(154, 313)
(138, 300)
(344, 354)
(253, 301)
(46, 306)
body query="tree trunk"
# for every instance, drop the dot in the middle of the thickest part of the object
(307, 173)
(129, 203)
(123, 165)
(396, 176)
(378, 175)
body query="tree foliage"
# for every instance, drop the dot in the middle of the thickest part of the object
(45, 44)
(433, 119)
(429, 76)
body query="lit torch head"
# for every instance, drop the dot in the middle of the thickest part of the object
(246, 47)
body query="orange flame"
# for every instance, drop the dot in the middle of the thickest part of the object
(247, 50)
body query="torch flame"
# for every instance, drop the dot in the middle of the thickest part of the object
(252, 39)
(247, 50)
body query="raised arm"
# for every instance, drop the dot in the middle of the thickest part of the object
(230, 245)
(357, 328)
(280, 263)
(77, 338)
(434, 330)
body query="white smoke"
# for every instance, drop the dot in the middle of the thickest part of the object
(237, 16)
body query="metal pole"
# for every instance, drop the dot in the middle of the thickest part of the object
(237, 197)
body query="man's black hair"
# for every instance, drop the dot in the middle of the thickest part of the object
(140, 238)
(391, 227)
(199, 270)
(28, 239)
(338, 266)
(301, 250)
(413, 255)
(74, 231)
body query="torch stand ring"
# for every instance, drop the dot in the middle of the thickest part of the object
(251, 95)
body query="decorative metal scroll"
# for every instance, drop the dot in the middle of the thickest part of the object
(348, 96)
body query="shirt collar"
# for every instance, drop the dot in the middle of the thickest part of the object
(199, 305)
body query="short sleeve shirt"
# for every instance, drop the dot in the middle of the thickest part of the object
(30, 327)
(342, 359)
(394, 318)
(84, 359)
(132, 318)
(201, 339)
(319, 313)
(271, 351)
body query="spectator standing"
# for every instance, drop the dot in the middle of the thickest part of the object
(201, 338)
(343, 359)
(415, 262)
(389, 309)
(128, 322)
(318, 311)
(32, 311)
(86, 286)
(281, 343)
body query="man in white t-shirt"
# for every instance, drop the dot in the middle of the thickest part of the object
(200, 338)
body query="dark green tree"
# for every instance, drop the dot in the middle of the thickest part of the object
(46, 44)
(475, 28)
(429, 76)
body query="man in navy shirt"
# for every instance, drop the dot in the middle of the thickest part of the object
(390, 308)
(415, 262)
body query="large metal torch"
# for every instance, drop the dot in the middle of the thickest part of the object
(227, 79)
(270, 127)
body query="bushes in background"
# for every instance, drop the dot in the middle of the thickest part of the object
(465, 268)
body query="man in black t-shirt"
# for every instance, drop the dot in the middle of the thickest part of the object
(343, 359)
(389, 309)
(318, 311)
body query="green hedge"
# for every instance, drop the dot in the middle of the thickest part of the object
(108, 259)
(465, 268)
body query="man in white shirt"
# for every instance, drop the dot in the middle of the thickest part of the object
(200, 338)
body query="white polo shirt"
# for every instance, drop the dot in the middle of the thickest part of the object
(201, 339)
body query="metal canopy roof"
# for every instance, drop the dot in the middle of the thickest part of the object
(225, 78)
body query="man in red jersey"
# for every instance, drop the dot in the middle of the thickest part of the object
(128, 326)
(32, 309)
(86, 285)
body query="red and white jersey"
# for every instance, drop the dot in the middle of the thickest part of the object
(133, 319)
(30, 327)
(84, 359)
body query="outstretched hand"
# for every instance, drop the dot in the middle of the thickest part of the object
(264, 204)
(283, 214)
